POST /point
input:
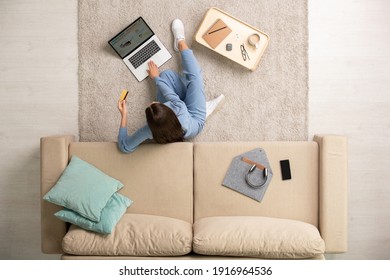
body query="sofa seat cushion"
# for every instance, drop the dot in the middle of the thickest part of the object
(134, 235)
(261, 237)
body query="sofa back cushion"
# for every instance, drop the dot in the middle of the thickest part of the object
(158, 178)
(289, 199)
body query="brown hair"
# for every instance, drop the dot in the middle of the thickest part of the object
(164, 124)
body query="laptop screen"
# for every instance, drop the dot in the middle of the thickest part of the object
(131, 37)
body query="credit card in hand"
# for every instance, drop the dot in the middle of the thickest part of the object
(124, 94)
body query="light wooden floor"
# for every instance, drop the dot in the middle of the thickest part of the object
(349, 62)
(39, 96)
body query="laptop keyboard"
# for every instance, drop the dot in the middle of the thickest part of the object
(144, 54)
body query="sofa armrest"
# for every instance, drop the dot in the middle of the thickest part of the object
(54, 159)
(333, 192)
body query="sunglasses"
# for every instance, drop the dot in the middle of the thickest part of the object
(244, 53)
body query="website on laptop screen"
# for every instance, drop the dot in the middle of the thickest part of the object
(131, 37)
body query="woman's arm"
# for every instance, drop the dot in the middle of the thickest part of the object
(165, 89)
(128, 143)
(123, 110)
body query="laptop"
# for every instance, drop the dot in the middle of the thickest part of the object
(137, 45)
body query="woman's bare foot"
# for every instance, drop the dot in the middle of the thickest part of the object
(153, 70)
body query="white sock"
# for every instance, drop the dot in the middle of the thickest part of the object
(213, 104)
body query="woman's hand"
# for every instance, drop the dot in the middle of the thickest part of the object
(123, 110)
(122, 107)
(153, 70)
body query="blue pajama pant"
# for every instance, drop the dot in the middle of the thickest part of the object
(189, 86)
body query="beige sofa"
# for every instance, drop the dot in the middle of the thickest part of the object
(181, 210)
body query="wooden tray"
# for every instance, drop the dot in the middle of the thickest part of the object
(239, 35)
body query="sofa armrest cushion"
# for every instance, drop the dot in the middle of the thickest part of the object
(261, 237)
(134, 235)
(333, 192)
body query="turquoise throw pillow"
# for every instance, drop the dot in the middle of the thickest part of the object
(111, 215)
(84, 189)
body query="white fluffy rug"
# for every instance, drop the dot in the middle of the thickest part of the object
(270, 103)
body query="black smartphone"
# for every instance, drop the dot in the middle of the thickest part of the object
(286, 171)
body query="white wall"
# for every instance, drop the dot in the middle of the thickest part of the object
(349, 62)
